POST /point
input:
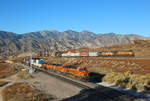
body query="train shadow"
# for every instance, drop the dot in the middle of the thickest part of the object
(95, 77)
(100, 94)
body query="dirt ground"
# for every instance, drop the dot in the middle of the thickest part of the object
(135, 65)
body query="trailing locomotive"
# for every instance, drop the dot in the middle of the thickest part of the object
(120, 53)
(80, 72)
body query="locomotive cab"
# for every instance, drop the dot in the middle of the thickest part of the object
(83, 72)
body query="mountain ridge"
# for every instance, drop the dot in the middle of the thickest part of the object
(44, 40)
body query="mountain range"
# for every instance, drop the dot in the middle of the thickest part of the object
(12, 44)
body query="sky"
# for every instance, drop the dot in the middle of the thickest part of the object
(98, 16)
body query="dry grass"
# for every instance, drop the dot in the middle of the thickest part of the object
(24, 75)
(23, 92)
(55, 60)
(6, 70)
(129, 80)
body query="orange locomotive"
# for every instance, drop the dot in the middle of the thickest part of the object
(74, 70)
(80, 72)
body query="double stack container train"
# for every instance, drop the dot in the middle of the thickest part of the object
(120, 53)
(34, 61)
(77, 71)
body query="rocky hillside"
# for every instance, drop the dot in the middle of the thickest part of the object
(33, 42)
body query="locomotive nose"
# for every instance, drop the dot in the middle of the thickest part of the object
(85, 73)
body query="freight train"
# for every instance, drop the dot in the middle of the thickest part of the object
(80, 72)
(120, 53)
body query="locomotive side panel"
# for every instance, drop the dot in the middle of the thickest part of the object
(124, 53)
(107, 53)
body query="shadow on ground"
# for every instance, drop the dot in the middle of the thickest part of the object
(100, 94)
(95, 77)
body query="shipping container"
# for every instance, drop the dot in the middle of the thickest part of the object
(76, 54)
(65, 54)
(41, 61)
(32, 61)
(25, 60)
(84, 54)
(71, 54)
(37, 62)
(93, 53)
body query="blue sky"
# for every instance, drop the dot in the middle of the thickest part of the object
(99, 16)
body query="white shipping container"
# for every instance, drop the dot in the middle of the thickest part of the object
(64, 54)
(71, 54)
(67, 54)
(32, 61)
(76, 54)
(93, 53)
(37, 62)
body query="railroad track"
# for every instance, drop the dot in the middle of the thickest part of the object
(91, 89)
(66, 79)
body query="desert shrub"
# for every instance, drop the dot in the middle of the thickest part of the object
(6, 70)
(129, 80)
(24, 75)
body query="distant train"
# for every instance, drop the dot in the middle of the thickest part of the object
(77, 71)
(119, 53)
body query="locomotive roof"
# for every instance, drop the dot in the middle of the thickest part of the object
(118, 51)
(70, 66)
